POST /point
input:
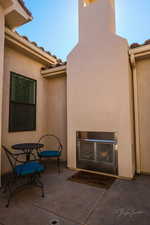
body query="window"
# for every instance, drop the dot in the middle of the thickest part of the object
(22, 111)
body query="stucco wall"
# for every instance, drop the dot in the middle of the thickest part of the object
(20, 63)
(143, 81)
(99, 84)
(1, 69)
(57, 108)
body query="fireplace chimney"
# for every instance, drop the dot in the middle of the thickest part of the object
(99, 84)
(97, 17)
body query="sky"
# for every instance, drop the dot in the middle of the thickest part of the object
(55, 23)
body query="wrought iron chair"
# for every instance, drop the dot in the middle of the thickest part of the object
(28, 171)
(53, 148)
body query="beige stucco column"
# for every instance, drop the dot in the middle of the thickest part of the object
(99, 84)
(1, 70)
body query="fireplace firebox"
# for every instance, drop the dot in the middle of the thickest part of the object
(97, 151)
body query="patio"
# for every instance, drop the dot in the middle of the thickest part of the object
(125, 203)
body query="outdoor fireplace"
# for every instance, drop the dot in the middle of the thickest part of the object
(99, 97)
(97, 151)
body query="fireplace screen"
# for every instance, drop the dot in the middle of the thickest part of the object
(87, 151)
(97, 151)
(104, 152)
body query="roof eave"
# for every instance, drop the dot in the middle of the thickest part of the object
(141, 51)
(16, 14)
(19, 42)
(59, 71)
(21, 2)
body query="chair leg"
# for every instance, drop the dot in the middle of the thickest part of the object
(10, 196)
(42, 189)
(58, 164)
(40, 184)
(5, 184)
(8, 188)
(4, 188)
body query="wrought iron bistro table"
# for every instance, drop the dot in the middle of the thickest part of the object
(27, 148)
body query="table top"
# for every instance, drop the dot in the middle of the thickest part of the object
(24, 146)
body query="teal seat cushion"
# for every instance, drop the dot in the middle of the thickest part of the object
(49, 153)
(29, 168)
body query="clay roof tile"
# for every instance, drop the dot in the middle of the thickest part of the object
(26, 38)
(147, 42)
(34, 43)
(136, 45)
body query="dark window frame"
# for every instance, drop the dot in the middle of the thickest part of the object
(11, 128)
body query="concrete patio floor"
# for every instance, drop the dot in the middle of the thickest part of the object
(125, 203)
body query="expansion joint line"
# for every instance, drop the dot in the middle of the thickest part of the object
(94, 207)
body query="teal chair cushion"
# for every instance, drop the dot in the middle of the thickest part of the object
(29, 168)
(49, 153)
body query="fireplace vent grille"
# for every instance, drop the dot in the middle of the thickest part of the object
(97, 151)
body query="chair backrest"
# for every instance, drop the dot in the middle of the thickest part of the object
(11, 158)
(52, 139)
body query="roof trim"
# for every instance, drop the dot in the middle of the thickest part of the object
(141, 51)
(58, 71)
(21, 2)
(29, 47)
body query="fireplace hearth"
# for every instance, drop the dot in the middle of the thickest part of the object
(97, 151)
